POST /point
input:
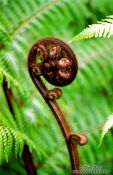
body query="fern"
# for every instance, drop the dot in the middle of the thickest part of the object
(4, 36)
(106, 127)
(8, 120)
(11, 139)
(91, 93)
(101, 29)
(10, 80)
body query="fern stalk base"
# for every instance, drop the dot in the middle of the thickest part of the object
(27, 157)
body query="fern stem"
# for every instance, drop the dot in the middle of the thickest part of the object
(28, 161)
(27, 157)
(8, 95)
(72, 146)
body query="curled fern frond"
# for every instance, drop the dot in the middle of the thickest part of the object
(13, 139)
(101, 29)
(106, 127)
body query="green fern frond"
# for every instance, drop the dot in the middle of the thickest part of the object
(8, 147)
(8, 120)
(4, 36)
(32, 146)
(12, 139)
(5, 142)
(19, 118)
(8, 78)
(1, 147)
(106, 127)
(19, 142)
(101, 29)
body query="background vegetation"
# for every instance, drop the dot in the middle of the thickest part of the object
(87, 102)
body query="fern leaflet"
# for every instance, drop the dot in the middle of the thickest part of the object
(106, 127)
(101, 29)
(12, 139)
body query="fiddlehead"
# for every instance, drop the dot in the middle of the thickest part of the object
(53, 59)
(57, 61)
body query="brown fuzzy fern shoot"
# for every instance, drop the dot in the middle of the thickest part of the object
(56, 61)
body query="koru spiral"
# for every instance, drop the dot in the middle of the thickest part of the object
(55, 60)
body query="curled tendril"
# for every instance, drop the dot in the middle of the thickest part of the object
(55, 60)
(81, 139)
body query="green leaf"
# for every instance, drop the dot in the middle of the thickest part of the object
(12, 139)
(101, 29)
(106, 127)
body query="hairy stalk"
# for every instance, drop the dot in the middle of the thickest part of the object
(27, 157)
(59, 67)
